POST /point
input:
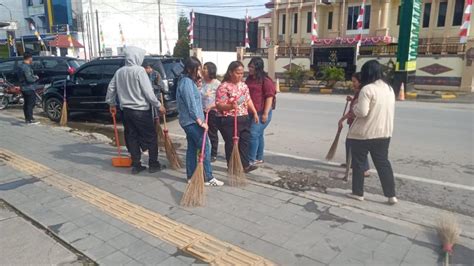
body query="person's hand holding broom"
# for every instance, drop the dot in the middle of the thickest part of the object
(332, 150)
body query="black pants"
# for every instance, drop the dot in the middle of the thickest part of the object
(226, 127)
(30, 100)
(140, 133)
(378, 149)
(213, 132)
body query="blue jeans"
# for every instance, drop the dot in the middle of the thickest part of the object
(194, 135)
(257, 138)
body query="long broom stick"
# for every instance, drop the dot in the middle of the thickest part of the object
(236, 172)
(332, 150)
(448, 231)
(63, 121)
(171, 155)
(194, 195)
(158, 129)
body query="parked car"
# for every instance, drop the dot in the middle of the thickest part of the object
(47, 68)
(87, 87)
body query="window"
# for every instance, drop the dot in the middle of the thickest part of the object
(41, 2)
(7, 66)
(426, 15)
(443, 7)
(399, 14)
(283, 24)
(29, 2)
(330, 15)
(353, 13)
(108, 71)
(89, 74)
(295, 23)
(55, 64)
(458, 12)
(309, 22)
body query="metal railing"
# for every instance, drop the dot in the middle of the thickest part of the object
(294, 51)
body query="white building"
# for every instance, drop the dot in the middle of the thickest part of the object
(139, 22)
(22, 14)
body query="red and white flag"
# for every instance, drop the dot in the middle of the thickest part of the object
(69, 37)
(37, 34)
(360, 23)
(314, 31)
(122, 37)
(467, 22)
(247, 20)
(163, 29)
(191, 29)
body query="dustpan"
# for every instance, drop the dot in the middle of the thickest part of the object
(120, 161)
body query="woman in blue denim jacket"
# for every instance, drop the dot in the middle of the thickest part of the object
(192, 120)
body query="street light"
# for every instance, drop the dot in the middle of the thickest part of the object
(11, 17)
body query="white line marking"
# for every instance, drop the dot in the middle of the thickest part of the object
(402, 176)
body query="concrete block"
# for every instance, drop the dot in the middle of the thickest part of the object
(116, 258)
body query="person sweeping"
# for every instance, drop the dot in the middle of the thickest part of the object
(233, 103)
(191, 119)
(134, 91)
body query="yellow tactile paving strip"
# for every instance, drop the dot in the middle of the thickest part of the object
(191, 241)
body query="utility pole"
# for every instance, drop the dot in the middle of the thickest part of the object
(98, 32)
(159, 26)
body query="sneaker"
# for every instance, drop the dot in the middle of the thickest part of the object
(259, 162)
(250, 168)
(214, 183)
(392, 200)
(356, 197)
(137, 169)
(213, 159)
(32, 122)
(156, 168)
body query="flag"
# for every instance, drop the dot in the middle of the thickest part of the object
(314, 31)
(102, 40)
(164, 32)
(191, 29)
(122, 38)
(247, 20)
(69, 37)
(360, 23)
(38, 36)
(467, 22)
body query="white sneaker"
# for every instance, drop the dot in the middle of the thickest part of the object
(353, 196)
(392, 200)
(214, 183)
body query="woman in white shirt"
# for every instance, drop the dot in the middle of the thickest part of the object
(372, 130)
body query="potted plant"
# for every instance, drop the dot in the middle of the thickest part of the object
(297, 76)
(332, 75)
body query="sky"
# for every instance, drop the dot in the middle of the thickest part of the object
(255, 7)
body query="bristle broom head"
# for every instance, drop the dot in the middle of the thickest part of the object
(171, 155)
(63, 121)
(194, 195)
(448, 231)
(236, 174)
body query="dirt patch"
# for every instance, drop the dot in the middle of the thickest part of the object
(298, 181)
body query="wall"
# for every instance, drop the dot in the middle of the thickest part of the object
(221, 59)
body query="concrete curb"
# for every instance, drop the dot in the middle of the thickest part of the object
(413, 95)
(314, 90)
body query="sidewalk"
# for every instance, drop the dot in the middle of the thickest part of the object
(66, 183)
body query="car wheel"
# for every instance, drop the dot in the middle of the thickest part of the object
(3, 102)
(52, 108)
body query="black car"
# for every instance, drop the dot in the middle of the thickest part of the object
(47, 68)
(87, 87)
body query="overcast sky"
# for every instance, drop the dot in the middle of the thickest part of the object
(213, 7)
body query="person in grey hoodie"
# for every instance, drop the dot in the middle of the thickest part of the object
(28, 86)
(136, 97)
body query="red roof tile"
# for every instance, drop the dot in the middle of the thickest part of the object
(61, 41)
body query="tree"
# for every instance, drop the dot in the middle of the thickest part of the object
(181, 48)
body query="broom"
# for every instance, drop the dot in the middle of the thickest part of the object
(171, 154)
(63, 121)
(348, 165)
(235, 171)
(448, 231)
(332, 150)
(194, 194)
(159, 130)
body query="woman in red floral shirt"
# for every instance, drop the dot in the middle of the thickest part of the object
(233, 98)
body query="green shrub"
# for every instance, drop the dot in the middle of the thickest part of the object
(298, 75)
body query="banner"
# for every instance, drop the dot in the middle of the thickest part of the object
(11, 41)
(409, 35)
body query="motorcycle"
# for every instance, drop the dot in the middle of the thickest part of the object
(11, 94)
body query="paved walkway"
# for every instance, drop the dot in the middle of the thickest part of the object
(65, 182)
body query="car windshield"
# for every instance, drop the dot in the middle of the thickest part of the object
(76, 63)
(173, 68)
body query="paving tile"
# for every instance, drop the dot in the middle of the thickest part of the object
(322, 252)
(302, 241)
(116, 258)
(172, 261)
(108, 233)
(89, 242)
(97, 253)
(121, 241)
(75, 235)
(421, 255)
(136, 248)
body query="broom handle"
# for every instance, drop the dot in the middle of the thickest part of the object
(117, 141)
(345, 108)
(235, 125)
(204, 138)
(164, 115)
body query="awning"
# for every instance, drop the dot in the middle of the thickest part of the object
(61, 41)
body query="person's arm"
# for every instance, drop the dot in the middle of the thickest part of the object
(221, 99)
(148, 91)
(188, 97)
(253, 110)
(111, 97)
(29, 75)
(362, 105)
(269, 92)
